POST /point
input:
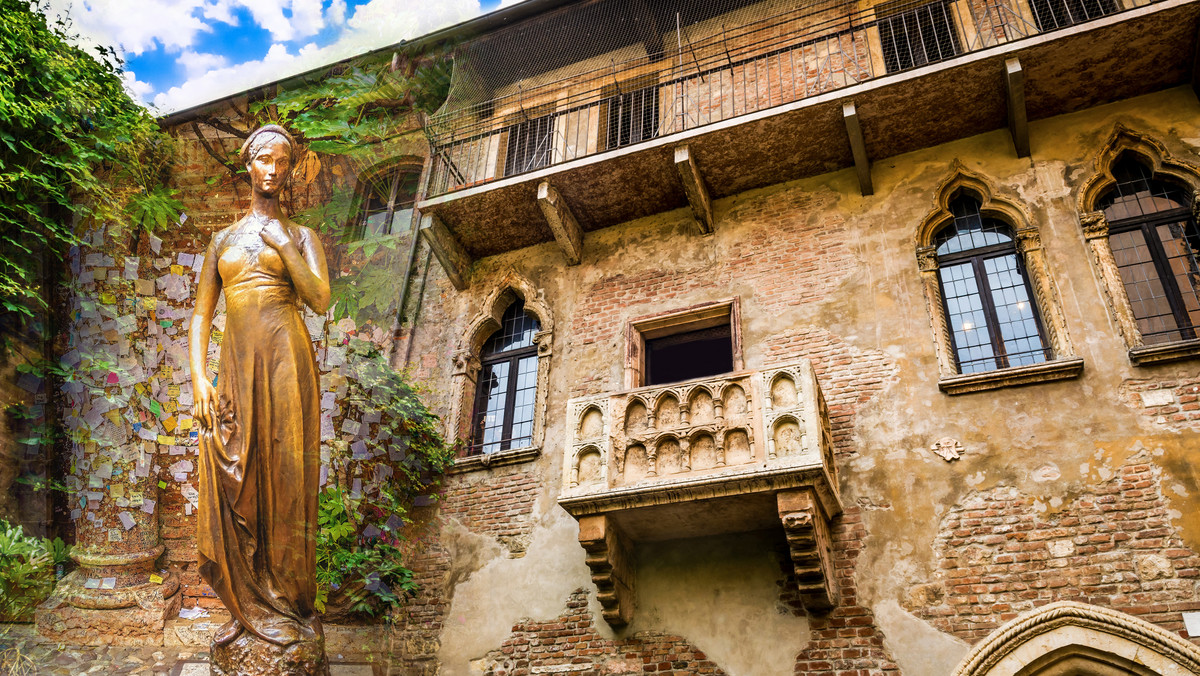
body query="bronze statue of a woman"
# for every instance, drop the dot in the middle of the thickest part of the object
(260, 427)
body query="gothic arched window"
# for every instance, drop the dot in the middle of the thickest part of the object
(506, 389)
(993, 321)
(1155, 243)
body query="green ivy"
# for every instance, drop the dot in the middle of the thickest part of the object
(73, 145)
(359, 557)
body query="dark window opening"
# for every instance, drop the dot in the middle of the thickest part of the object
(1051, 14)
(692, 354)
(506, 391)
(388, 202)
(1154, 240)
(529, 145)
(917, 37)
(988, 303)
(632, 117)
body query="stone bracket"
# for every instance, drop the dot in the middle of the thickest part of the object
(562, 222)
(693, 185)
(608, 557)
(858, 147)
(450, 253)
(1018, 121)
(810, 546)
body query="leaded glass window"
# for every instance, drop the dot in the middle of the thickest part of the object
(988, 303)
(1154, 240)
(507, 387)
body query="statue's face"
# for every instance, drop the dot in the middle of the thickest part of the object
(270, 166)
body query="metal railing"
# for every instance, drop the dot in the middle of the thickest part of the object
(726, 74)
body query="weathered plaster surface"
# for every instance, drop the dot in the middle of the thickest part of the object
(1053, 442)
(918, 647)
(504, 590)
(723, 595)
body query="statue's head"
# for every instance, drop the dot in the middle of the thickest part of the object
(269, 155)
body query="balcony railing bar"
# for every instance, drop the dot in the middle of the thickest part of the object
(722, 81)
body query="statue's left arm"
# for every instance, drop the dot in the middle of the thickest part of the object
(305, 260)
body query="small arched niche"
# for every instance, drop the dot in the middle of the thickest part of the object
(783, 392)
(737, 448)
(788, 437)
(701, 407)
(704, 451)
(670, 456)
(591, 424)
(667, 412)
(589, 465)
(637, 465)
(735, 401)
(635, 418)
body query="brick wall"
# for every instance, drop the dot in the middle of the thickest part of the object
(791, 251)
(997, 555)
(1172, 402)
(849, 376)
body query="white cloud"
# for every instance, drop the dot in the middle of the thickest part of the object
(376, 24)
(140, 91)
(133, 26)
(196, 64)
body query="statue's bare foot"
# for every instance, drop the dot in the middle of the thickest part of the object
(227, 632)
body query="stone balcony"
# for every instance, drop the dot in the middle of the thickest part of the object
(744, 451)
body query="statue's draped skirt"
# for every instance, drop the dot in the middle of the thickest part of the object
(260, 466)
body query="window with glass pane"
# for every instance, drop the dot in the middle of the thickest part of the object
(988, 303)
(388, 202)
(507, 387)
(1154, 239)
(1051, 14)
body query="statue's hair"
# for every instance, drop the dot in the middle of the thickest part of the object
(259, 137)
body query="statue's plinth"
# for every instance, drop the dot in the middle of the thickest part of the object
(249, 655)
(131, 608)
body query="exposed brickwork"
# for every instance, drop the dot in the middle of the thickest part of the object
(792, 252)
(498, 506)
(1114, 546)
(571, 639)
(1172, 402)
(849, 376)
(846, 641)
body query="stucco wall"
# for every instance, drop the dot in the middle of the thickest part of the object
(828, 274)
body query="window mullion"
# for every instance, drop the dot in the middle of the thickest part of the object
(1174, 296)
(989, 312)
(510, 403)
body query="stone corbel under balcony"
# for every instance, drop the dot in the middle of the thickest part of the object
(750, 450)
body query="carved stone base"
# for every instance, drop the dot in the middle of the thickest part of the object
(249, 655)
(132, 615)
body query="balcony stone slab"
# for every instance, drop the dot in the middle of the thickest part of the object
(744, 451)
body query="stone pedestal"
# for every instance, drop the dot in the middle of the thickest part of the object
(117, 595)
(133, 612)
(248, 655)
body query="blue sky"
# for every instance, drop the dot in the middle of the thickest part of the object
(180, 53)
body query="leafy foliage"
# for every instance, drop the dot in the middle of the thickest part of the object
(72, 144)
(27, 567)
(359, 556)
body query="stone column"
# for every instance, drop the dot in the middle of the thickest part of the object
(116, 596)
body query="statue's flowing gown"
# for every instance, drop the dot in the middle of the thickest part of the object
(260, 465)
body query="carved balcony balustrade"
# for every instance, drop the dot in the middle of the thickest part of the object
(739, 452)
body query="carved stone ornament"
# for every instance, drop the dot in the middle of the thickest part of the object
(948, 449)
(1094, 224)
(927, 258)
